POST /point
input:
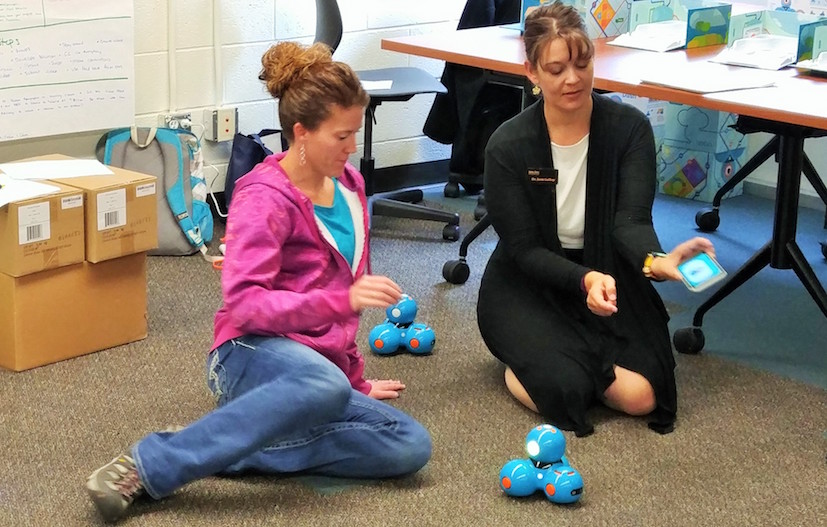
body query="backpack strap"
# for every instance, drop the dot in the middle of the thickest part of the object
(174, 155)
(175, 194)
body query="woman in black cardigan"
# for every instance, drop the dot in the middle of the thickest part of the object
(566, 301)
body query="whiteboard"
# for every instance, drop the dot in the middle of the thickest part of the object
(66, 66)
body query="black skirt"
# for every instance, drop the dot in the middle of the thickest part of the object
(564, 355)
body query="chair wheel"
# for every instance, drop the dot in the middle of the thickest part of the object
(456, 271)
(479, 212)
(451, 190)
(689, 340)
(472, 189)
(707, 219)
(450, 233)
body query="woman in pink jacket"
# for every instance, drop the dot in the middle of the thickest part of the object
(284, 366)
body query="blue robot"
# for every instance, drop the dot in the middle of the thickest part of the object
(399, 331)
(546, 470)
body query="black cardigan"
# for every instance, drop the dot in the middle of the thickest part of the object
(620, 189)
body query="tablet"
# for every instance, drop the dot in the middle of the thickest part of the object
(700, 272)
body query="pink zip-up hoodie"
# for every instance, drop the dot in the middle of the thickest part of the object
(282, 274)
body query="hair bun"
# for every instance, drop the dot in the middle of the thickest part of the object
(287, 62)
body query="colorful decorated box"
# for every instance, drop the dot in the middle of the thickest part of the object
(697, 151)
(817, 60)
(604, 18)
(707, 23)
(811, 41)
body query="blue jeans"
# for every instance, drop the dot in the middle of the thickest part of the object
(282, 408)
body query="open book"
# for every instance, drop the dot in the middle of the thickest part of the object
(657, 36)
(768, 52)
(817, 64)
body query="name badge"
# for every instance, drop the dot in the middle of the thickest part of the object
(542, 176)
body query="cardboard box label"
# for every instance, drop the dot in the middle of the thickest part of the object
(112, 209)
(34, 221)
(147, 189)
(72, 202)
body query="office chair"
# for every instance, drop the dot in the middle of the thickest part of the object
(708, 218)
(405, 83)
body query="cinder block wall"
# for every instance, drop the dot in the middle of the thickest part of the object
(241, 31)
(246, 29)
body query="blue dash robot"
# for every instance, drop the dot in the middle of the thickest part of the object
(547, 469)
(399, 331)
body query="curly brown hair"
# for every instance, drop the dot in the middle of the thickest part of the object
(308, 83)
(553, 21)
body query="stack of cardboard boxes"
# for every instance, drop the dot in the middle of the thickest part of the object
(73, 267)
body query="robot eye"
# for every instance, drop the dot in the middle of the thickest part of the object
(558, 472)
(570, 473)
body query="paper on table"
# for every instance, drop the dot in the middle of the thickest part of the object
(778, 97)
(657, 36)
(377, 85)
(55, 169)
(767, 52)
(17, 190)
(706, 77)
(817, 64)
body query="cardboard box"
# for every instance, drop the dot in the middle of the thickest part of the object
(70, 311)
(121, 211)
(42, 232)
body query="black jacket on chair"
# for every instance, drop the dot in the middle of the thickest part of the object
(472, 109)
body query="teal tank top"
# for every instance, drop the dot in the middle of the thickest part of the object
(339, 222)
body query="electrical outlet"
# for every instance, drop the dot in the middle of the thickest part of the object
(175, 121)
(220, 124)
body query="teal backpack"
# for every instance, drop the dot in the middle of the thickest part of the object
(185, 222)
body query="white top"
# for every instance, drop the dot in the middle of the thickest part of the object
(570, 163)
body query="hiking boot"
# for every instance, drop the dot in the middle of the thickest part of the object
(114, 487)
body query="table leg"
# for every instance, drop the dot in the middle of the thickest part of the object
(807, 276)
(757, 262)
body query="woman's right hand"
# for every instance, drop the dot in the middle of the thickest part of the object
(601, 293)
(374, 291)
(666, 268)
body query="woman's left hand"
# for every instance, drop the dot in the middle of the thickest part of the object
(385, 389)
(666, 268)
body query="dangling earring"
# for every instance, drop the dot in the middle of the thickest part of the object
(536, 91)
(302, 155)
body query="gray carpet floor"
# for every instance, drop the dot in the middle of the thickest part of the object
(749, 447)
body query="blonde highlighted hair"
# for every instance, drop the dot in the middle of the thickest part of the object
(308, 83)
